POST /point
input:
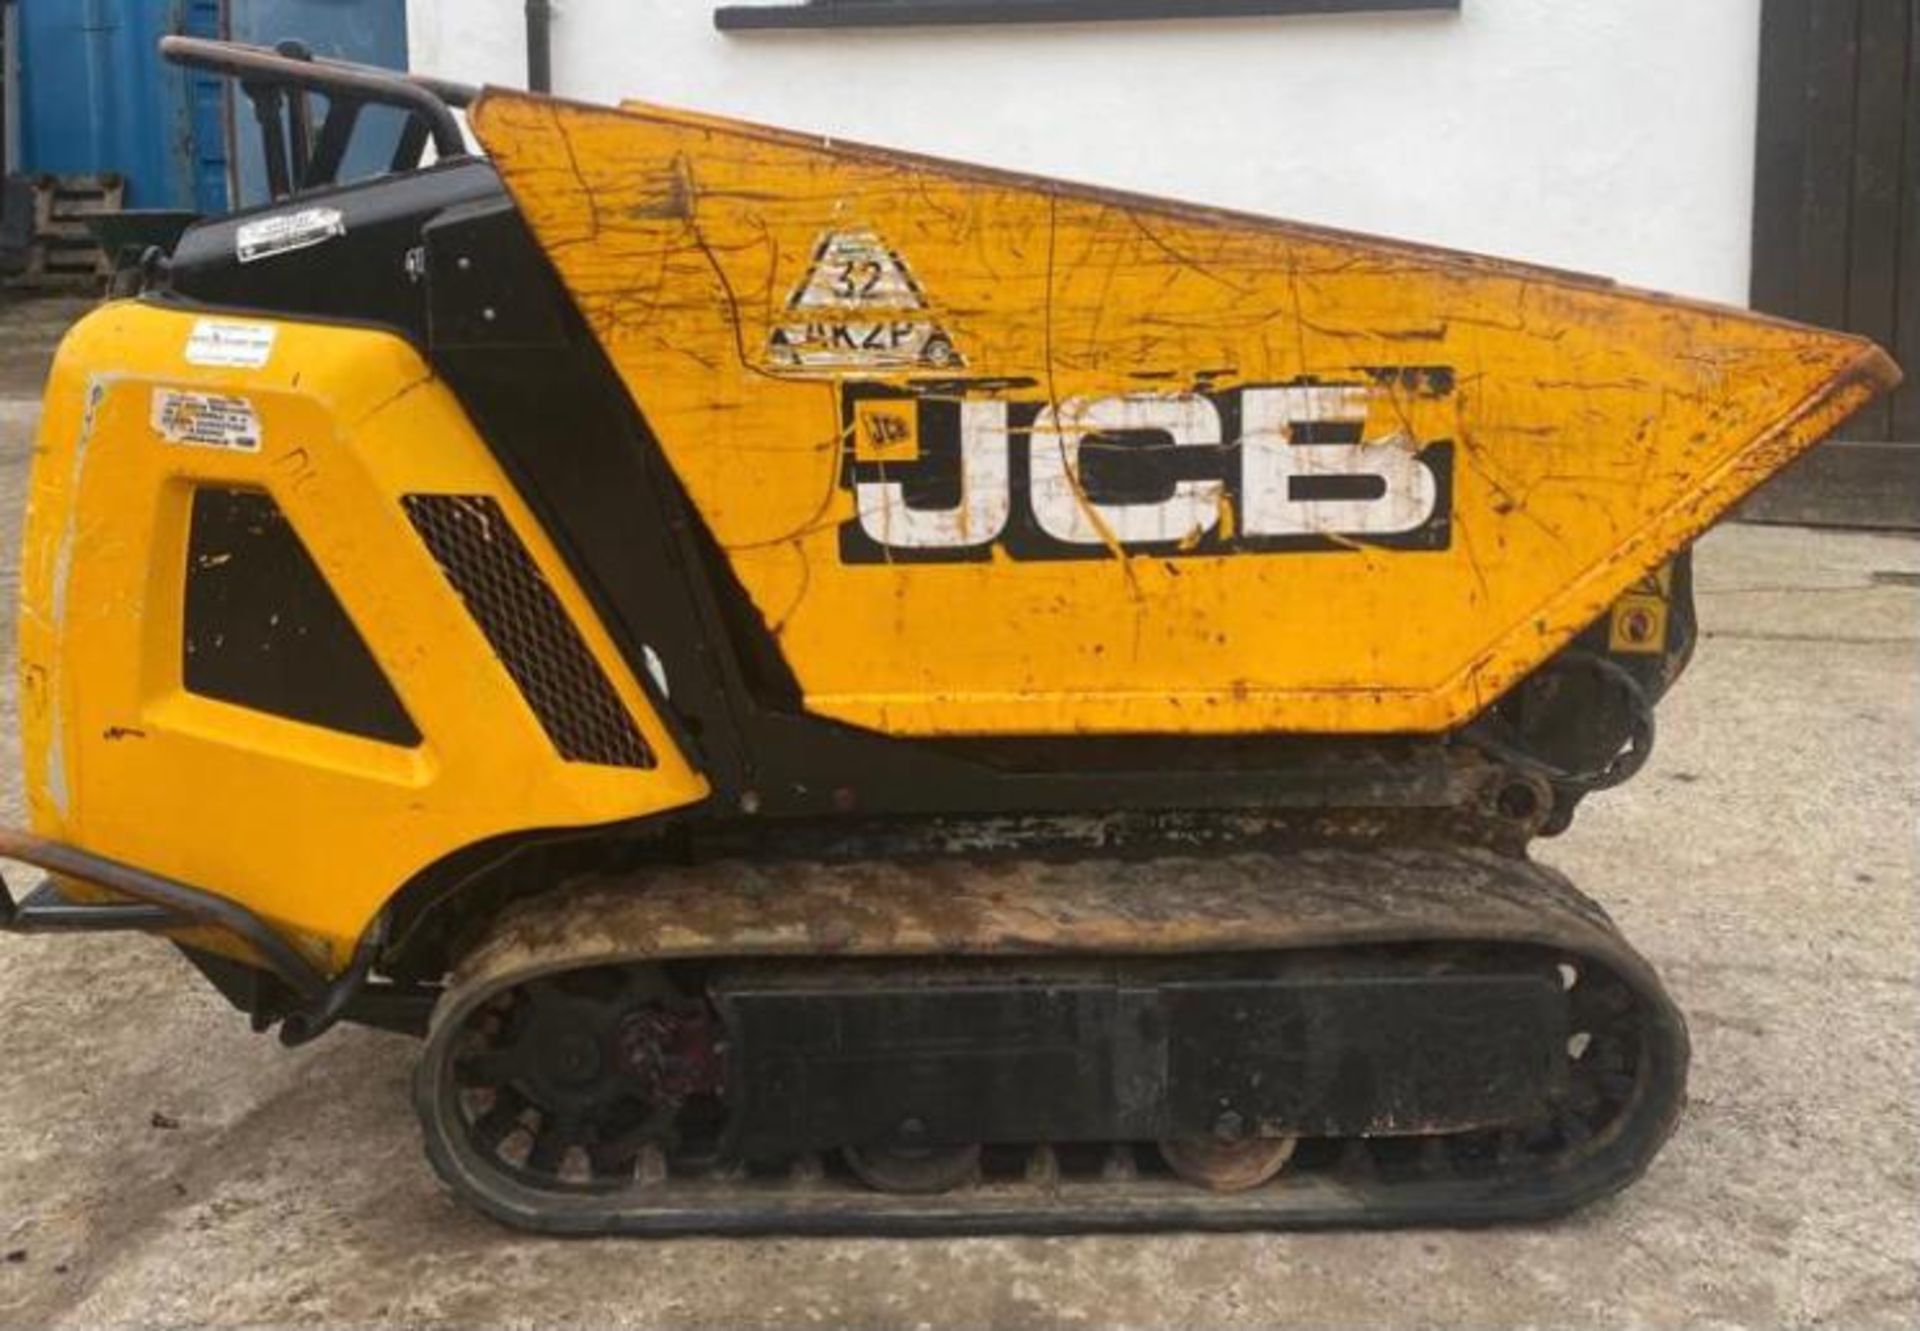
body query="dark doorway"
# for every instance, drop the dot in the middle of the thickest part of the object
(1836, 235)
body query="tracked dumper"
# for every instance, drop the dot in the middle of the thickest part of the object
(839, 691)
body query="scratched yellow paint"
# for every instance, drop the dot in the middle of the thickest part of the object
(1595, 430)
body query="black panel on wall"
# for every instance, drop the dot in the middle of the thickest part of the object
(1836, 233)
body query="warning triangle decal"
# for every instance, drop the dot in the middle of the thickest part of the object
(859, 308)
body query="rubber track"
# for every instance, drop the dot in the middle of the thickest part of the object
(1001, 907)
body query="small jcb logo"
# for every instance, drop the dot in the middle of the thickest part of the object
(947, 476)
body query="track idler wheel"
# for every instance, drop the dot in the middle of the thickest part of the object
(581, 1080)
(1227, 1166)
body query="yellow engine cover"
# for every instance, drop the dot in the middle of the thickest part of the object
(994, 455)
(308, 826)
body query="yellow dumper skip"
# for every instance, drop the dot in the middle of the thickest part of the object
(989, 452)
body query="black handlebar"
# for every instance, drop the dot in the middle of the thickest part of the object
(308, 161)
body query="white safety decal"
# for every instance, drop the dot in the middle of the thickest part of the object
(224, 344)
(287, 232)
(859, 308)
(206, 420)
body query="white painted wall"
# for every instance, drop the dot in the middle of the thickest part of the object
(1614, 136)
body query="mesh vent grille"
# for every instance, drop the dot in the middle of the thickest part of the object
(505, 592)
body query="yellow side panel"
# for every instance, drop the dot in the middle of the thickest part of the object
(915, 402)
(309, 827)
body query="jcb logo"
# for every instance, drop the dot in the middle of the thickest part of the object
(1298, 466)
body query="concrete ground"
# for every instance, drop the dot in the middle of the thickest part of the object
(161, 1165)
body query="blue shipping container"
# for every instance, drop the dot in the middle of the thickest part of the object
(93, 96)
